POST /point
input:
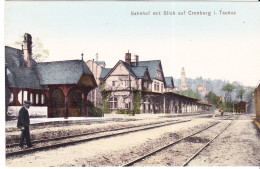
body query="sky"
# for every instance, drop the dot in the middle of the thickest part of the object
(217, 46)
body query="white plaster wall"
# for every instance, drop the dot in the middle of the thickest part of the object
(33, 111)
(119, 75)
(160, 84)
(95, 69)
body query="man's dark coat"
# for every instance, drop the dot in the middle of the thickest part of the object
(23, 118)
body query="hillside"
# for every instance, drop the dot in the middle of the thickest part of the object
(215, 86)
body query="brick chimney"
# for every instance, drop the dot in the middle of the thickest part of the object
(136, 60)
(128, 58)
(27, 49)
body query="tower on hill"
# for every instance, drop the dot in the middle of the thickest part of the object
(183, 79)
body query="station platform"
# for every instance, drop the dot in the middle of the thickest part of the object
(90, 120)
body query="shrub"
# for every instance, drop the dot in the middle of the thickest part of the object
(123, 111)
(93, 111)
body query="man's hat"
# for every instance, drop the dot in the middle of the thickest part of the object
(27, 102)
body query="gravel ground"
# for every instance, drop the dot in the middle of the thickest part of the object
(112, 151)
(176, 155)
(115, 151)
(51, 132)
(239, 145)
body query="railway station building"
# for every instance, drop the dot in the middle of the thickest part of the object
(157, 94)
(61, 86)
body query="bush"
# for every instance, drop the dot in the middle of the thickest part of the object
(93, 111)
(228, 106)
(123, 111)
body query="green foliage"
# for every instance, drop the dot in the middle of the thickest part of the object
(191, 93)
(250, 95)
(93, 111)
(124, 111)
(137, 101)
(38, 51)
(105, 107)
(212, 98)
(240, 93)
(228, 106)
(228, 88)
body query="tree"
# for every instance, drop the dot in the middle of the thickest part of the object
(191, 93)
(212, 98)
(228, 88)
(250, 94)
(240, 93)
(38, 51)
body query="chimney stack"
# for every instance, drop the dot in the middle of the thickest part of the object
(128, 58)
(136, 60)
(27, 49)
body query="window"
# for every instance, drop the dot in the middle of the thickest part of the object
(154, 86)
(25, 95)
(43, 99)
(126, 82)
(128, 105)
(161, 87)
(113, 102)
(31, 98)
(11, 98)
(20, 97)
(113, 83)
(158, 87)
(37, 99)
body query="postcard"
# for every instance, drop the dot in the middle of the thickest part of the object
(131, 83)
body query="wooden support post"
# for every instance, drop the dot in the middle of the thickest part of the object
(49, 102)
(164, 104)
(85, 99)
(65, 90)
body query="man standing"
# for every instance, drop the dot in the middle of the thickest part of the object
(23, 124)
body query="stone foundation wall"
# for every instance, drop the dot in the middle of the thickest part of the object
(34, 111)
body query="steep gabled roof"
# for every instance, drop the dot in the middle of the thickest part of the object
(24, 78)
(169, 82)
(136, 71)
(100, 62)
(152, 66)
(61, 72)
(20, 76)
(139, 71)
(104, 72)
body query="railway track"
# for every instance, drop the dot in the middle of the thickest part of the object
(131, 163)
(202, 148)
(74, 139)
(88, 133)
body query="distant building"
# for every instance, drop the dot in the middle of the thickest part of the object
(96, 67)
(202, 90)
(240, 107)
